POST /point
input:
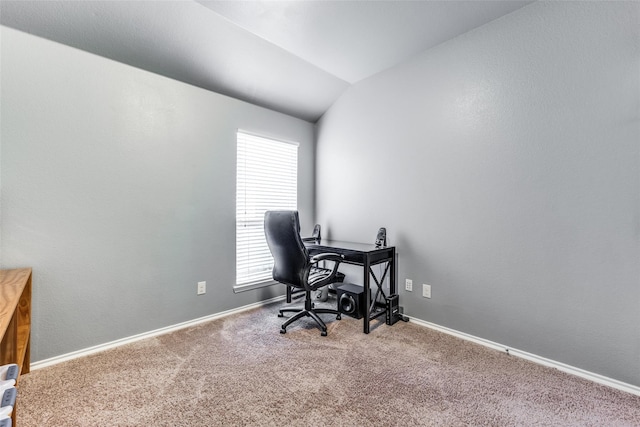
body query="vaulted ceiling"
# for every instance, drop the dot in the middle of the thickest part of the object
(296, 57)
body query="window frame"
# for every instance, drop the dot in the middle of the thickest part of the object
(251, 202)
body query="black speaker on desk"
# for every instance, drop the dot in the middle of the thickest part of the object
(351, 300)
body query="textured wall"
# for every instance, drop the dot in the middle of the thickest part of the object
(118, 188)
(505, 165)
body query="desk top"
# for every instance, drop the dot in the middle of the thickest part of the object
(353, 252)
(351, 246)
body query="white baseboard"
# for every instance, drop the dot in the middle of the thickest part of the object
(629, 388)
(117, 343)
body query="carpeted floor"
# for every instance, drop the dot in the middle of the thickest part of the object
(240, 371)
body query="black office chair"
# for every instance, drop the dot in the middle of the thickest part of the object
(293, 265)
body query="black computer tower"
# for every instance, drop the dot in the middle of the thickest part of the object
(393, 309)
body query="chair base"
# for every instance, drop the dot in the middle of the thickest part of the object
(307, 311)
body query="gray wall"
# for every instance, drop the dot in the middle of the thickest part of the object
(118, 188)
(505, 164)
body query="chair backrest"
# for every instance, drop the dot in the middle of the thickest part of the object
(290, 256)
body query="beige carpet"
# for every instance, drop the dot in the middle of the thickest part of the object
(240, 371)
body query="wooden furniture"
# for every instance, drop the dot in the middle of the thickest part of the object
(15, 320)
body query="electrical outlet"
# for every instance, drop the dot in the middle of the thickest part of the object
(408, 285)
(426, 290)
(202, 288)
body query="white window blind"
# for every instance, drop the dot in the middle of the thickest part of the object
(267, 179)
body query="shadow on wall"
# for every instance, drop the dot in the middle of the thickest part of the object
(270, 292)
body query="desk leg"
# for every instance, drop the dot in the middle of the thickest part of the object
(393, 285)
(367, 295)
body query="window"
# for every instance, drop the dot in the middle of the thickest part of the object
(267, 179)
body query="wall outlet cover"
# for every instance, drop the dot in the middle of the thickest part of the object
(408, 285)
(202, 288)
(426, 290)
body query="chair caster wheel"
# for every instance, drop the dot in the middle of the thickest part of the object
(338, 317)
(283, 331)
(323, 333)
(280, 315)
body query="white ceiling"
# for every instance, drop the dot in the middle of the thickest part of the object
(297, 57)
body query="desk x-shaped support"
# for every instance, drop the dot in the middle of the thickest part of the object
(374, 301)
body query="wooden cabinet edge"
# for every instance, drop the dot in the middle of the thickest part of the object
(15, 320)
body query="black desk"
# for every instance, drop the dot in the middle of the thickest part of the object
(367, 256)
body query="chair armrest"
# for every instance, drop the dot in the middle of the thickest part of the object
(326, 257)
(335, 258)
